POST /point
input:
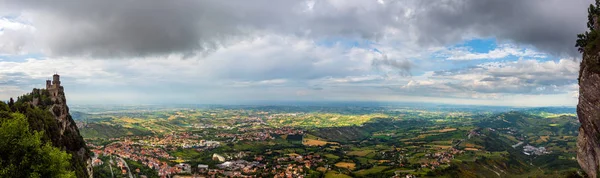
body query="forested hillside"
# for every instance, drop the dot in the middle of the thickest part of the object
(41, 139)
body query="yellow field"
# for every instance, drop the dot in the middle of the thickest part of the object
(171, 117)
(360, 152)
(348, 165)
(441, 146)
(472, 145)
(178, 160)
(182, 176)
(383, 161)
(293, 154)
(544, 138)
(130, 120)
(446, 130)
(315, 142)
(471, 149)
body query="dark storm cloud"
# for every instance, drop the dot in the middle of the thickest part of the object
(549, 25)
(141, 28)
(153, 27)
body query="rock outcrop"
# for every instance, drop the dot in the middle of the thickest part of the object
(71, 139)
(588, 111)
(588, 108)
(63, 133)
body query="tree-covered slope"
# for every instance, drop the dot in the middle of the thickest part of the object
(49, 116)
(25, 152)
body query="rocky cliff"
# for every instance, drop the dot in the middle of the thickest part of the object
(588, 108)
(588, 111)
(70, 138)
(57, 125)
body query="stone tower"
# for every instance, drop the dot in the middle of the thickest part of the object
(48, 84)
(56, 80)
(54, 86)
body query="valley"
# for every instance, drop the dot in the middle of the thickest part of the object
(331, 141)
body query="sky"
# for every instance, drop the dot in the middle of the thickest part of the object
(476, 52)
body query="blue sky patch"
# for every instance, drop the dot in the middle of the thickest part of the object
(480, 45)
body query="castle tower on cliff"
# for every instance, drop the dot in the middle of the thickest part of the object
(56, 80)
(54, 86)
(48, 84)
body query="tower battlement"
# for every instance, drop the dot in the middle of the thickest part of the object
(54, 86)
(55, 83)
(48, 84)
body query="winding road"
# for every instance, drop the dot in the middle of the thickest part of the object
(127, 166)
(112, 175)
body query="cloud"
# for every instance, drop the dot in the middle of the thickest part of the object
(550, 26)
(270, 83)
(267, 62)
(10, 91)
(146, 28)
(196, 81)
(403, 67)
(210, 50)
(121, 29)
(15, 37)
(14, 79)
(279, 57)
(351, 79)
(493, 80)
(503, 51)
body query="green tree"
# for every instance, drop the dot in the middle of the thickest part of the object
(22, 153)
(11, 102)
(4, 106)
(588, 40)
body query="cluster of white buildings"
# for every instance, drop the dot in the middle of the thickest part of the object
(531, 150)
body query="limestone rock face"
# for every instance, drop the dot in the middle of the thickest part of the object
(588, 111)
(68, 138)
(68, 129)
